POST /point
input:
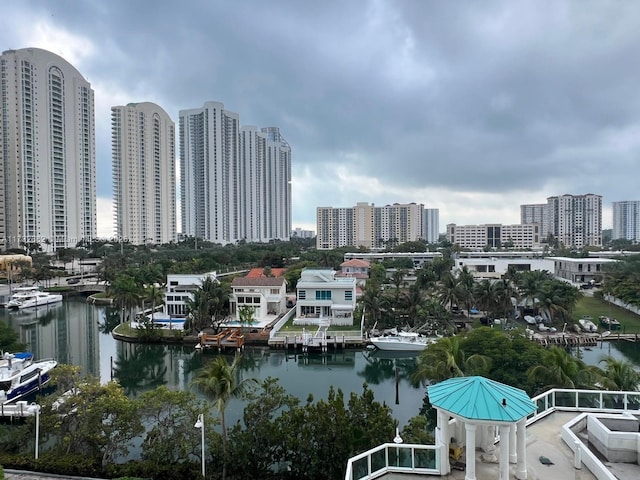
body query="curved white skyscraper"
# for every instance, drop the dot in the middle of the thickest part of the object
(144, 173)
(47, 151)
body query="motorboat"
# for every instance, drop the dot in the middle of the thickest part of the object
(27, 297)
(587, 325)
(530, 320)
(610, 323)
(20, 375)
(402, 342)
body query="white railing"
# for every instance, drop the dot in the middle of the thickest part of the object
(394, 458)
(425, 459)
(569, 400)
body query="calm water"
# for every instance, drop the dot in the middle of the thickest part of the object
(77, 333)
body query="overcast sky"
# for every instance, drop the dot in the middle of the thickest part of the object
(472, 107)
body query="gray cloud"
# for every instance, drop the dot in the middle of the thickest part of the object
(472, 97)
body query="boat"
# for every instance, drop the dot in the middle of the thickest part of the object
(530, 320)
(20, 375)
(610, 323)
(402, 342)
(27, 297)
(587, 325)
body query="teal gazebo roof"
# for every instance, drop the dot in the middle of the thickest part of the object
(478, 398)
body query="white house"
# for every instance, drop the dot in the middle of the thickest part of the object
(180, 288)
(266, 295)
(324, 297)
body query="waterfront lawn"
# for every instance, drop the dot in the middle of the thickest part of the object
(125, 329)
(597, 307)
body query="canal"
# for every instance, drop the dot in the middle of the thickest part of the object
(77, 333)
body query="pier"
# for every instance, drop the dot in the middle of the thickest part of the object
(582, 340)
(227, 339)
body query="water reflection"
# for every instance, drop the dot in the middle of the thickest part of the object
(78, 333)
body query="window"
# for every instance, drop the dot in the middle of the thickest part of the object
(323, 294)
(348, 295)
(274, 291)
(302, 294)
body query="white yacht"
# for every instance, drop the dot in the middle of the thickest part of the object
(402, 342)
(20, 375)
(25, 297)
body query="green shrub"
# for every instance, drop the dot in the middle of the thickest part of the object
(1, 473)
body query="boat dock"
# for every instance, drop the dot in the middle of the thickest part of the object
(582, 339)
(318, 342)
(227, 339)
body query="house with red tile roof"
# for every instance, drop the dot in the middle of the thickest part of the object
(355, 268)
(260, 272)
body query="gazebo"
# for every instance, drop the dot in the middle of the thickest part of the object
(478, 401)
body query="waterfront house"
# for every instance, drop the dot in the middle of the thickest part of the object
(180, 288)
(325, 298)
(266, 295)
(356, 268)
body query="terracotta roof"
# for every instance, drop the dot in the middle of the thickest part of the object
(258, 282)
(259, 272)
(356, 262)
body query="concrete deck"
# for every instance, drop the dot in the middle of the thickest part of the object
(543, 438)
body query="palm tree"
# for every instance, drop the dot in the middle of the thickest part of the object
(154, 295)
(222, 383)
(560, 369)
(246, 315)
(448, 291)
(126, 294)
(446, 359)
(620, 374)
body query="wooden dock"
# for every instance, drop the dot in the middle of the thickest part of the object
(582, 339)
(227, 339)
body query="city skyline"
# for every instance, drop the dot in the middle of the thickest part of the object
(473, 110)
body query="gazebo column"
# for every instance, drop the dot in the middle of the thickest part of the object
(470, 448)
(513, 454)
(505, 432)
(521, 445)
(443, 425)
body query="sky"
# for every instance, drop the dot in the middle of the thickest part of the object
(470, 107)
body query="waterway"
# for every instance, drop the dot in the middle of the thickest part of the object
(77, 333)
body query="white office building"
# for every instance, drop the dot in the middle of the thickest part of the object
(47, 151)
(535, 213)
(496, 235)
(144, 174)
(235, 182)
(626, 220)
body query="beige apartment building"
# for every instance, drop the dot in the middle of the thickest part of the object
(368, 226)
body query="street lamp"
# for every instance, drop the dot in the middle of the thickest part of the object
(34, 409)
(200, 424)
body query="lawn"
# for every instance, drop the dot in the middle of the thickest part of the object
(597, 307)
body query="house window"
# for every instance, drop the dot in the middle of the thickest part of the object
(302, 294)
(274, 291)
(323, 294)
(348, 295)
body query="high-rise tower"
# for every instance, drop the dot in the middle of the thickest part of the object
(235, 182)
(144, 174)
(626, 220)
(47, 151)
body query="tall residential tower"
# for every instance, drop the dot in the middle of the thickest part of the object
(235, 182)
(47, 151)
(626, 220)
(144, 174)
(575, 220)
